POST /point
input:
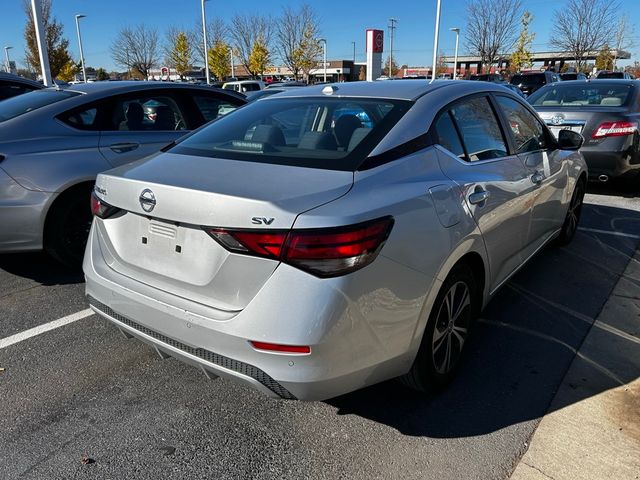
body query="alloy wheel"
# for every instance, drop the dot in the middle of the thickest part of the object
(451, 328)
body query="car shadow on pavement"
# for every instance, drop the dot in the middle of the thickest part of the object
(39, 267)
(525, 341)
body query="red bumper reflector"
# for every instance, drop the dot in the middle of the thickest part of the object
(274, 347)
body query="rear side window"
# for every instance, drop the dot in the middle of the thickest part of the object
(447, 136)
(480, 130)
(212, 107)
(528, 132)
(317, 132)
(84, 119)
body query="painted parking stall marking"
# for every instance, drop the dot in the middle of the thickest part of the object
(32, 332)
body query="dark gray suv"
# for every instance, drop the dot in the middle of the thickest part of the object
(529, 82)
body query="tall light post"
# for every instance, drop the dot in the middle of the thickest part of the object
(455, 55)
(435, 42)
(392, 27)
(324, 58)
(233, 73)
(204, 39)
(43, 52)
(84, 72)
(6, 54)
(354, 52)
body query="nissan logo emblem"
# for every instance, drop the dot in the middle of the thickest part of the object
(147, 200)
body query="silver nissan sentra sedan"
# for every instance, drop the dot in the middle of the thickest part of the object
(328, 238)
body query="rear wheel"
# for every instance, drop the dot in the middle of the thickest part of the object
(67, 227)
(446, 333)
(570, 225)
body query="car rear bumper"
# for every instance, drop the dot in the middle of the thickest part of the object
(348, 349)
(612, 164)
(21, 216)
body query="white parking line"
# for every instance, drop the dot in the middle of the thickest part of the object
(32, 332)
(610, 232)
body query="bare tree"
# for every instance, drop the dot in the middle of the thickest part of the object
(293, 31)
(136, 48)
(491, 31)
(624, 37)
(246, 31)
(217, 33)
(584, 26)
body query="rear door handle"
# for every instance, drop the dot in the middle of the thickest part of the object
(478, 197)
(537, 177)
(123, 147)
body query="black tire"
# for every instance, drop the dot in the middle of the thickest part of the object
(67, 227)
(444, 334)
(572, 219)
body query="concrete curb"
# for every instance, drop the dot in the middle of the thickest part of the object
(592, 428)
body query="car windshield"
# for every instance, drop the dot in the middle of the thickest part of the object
(315, 132)
(529, 80)
(16, 106)
(578, 95)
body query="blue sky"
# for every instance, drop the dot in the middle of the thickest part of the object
(342, 21)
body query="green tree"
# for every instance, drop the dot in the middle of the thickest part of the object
(394, 68)
(57, 45)
(101, 74)
(362, 75)
(604, 60)
(220, 59)
(522, 57)
(68, 72)
(258, 58)
(180, 52)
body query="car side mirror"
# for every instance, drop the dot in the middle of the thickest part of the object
(569, 140)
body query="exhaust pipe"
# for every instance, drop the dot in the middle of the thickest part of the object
(603, 178)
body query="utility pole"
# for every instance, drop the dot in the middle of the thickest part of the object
(455, 56)
(233, 73)
(36, 8)
(392, 27)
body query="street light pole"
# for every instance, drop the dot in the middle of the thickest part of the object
(324, 58)
(455, 55)
(43, 53)
(354, 52)
(435, 42)
(204, 37)
(84, 72)
(6, 54)
(233, 73)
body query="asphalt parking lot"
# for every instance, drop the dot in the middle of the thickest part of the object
(83, 390)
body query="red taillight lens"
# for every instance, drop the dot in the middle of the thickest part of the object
(275, 347)
(327, 252)
(100, 208)
(615, 129)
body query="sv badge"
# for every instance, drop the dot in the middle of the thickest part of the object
(262, 221)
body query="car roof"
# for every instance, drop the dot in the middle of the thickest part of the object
(16, 78)
(391, 89)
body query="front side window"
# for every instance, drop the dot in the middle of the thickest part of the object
(528, 132)
(146, 113)
(480, 130)
(317, 132)
(28, 102)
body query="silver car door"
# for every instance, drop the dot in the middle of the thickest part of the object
(493, 182)
(141, 125)
(545, 167)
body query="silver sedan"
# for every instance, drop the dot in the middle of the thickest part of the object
(53, 143)
(332, 237)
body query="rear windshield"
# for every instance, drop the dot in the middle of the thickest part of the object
(577, 95)
(529, 80)
(610, 75)
(316, 132)
(569, 76)
(16, 106)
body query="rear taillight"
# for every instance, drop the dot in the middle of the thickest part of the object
(100, 208)
(615, 129)
(326, 252)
